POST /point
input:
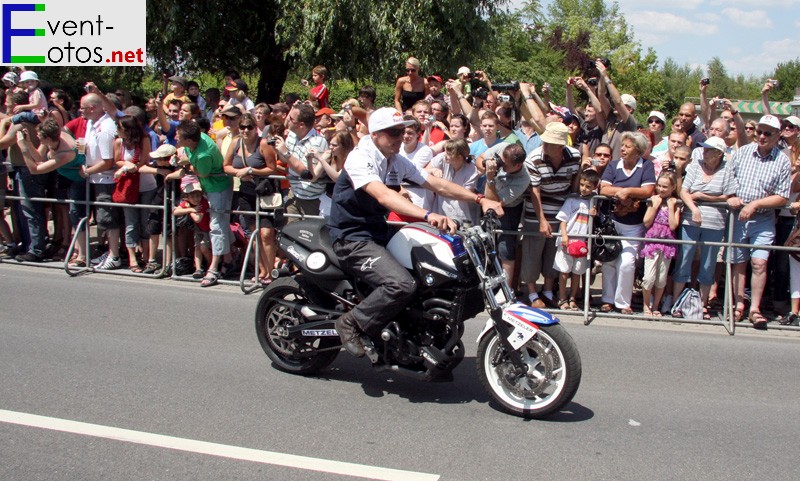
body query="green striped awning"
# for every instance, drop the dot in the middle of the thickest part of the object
(754, 107)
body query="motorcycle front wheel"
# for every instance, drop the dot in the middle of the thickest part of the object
(552, 378)
(272, 316)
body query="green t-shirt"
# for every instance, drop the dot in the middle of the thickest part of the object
(207, 160)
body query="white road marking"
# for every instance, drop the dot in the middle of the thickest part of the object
(213, 449)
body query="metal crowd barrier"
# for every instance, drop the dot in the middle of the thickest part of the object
(253, 245)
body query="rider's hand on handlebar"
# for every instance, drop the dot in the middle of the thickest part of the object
(487, 204)
(442, 222)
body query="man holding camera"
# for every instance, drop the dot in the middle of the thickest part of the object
(301, 141)
(618, 117)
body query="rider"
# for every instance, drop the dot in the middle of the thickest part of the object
(365, 192)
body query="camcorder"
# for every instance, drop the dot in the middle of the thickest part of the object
(508, 87)
(591, 63)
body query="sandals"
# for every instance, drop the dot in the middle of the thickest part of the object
(706, 314)
(758, 320)
(626, 310)
(738, 313)
(211, 278)
(136, 269)
(198, 274)
(77, 262)
(606, 308)
(152, 267)
(573, 304)
(263, 281)
(563, 304)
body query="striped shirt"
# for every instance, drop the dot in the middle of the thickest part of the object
(304, 189)
(554, 185)
(761, 177)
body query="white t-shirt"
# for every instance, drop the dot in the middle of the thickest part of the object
(367, 164)
(420, 157)
(100, 137)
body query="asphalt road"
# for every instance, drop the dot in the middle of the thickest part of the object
(92, 368)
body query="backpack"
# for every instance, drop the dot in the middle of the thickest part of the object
(688, 305)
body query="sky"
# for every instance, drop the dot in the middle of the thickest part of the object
(751, 37)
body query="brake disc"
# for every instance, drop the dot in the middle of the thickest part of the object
(540, 371)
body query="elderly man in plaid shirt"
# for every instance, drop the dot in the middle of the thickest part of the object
(764, 176)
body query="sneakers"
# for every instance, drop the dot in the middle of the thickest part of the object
(348, 333)
(28, 257)
(110, 263)
(99, 260)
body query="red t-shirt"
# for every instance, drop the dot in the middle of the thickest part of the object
(322, 94)
(205, 223)
(77, 127)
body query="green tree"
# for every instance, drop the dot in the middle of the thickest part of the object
(788, 74)
(360, 39)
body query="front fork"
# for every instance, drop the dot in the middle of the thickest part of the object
(504, 331)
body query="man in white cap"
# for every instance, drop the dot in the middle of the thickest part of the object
(619, 115)
(764, 176)
(367, 189)
(553, 169)
(790, 130)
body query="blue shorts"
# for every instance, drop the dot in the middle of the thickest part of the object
(758, 231)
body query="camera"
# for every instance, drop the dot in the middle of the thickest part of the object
(671, 167)
(705, 81)
(503, 98)
(774, 83)
(509, 87)
(596, 162)
(720, 104)
(591, 63)
(271, 141)
(570, 81)
(469, 76)
(480, 93)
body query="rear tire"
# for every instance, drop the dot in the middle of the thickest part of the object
(554, 372)
(271, 315)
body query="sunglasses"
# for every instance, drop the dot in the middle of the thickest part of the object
(602, 154)
(395, 132)
(411, 70)
(764, 133)
(789, 127)
(749, 128)
(655, 121)
(246, 127)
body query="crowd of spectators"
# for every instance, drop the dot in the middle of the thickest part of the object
(677, 176)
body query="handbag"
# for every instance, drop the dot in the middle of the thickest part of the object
(688, 305)
(606, 250)
(794, 239)
(268, 196)
(126, 188)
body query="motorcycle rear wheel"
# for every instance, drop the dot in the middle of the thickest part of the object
(553, 377)
(271, 315)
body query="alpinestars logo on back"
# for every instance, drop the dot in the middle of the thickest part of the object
(367, 265)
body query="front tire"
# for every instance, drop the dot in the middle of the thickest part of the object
(553, 377)
(271, 316)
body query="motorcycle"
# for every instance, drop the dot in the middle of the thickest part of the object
(526, 360)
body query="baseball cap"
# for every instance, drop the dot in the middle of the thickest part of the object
(629, 100)
(434, 78)
(324, 111)
(714, 143)
(660, 116)
(237, 84)
(464, 71)
(194, 187)
(565, 113)
(577, 248)
(231, 111)
(11, 77)
(770, 121)
(792, 119)
(28, 75)
(386, 118)
(162, 151)
(178, 79)
(555, 133)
